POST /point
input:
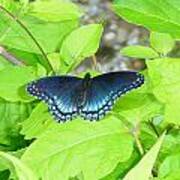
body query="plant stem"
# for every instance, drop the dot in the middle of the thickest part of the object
(30, 35)
(10, 57)
(139, 145)
(135, 133)
(154, 128)
(94, 60)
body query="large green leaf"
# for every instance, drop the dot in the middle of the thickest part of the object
(164, 75)
(81, 43)
(93, 149)
(142, 171)
(54, 11)
(18, 167)
(14, 36)
(12, 80)
(161, 16)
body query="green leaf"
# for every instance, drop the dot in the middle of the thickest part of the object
(170, 164)
(11, 115)
(54, 11)
(37, 123)
(138, 106)
(81, 43)
(161, 42)
(22, 171)
(137, 51)
(66, 150)
(12, 79)
(3, 162)
(14, 36)
(31, 59)
(164, 76)
(161, 16)
(142, 171)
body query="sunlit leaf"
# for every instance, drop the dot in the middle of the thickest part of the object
(81, 43)
(65, 150)
(161, 16)
(54, 11)
(137, 51)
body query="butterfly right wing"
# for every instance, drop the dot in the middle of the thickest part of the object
(105, 89)
(57, 92)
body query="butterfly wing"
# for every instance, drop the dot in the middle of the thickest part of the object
(105, 89)
(57, 92)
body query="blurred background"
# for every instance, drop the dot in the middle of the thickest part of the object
(117, 34)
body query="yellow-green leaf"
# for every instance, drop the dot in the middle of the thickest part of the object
(138, 51)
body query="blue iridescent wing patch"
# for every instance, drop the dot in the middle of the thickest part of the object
(57, 92)
(91, 98)
(106, 89)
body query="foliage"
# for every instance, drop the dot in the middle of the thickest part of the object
(146, 164)
(160, 16)
(124, 144)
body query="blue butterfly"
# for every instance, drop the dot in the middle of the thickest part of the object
(91, 98)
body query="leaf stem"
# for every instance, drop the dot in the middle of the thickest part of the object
(139, 145)
(11, 58)
(30, 35)
(135, 133)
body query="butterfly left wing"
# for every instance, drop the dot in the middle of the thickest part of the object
(57, 92)
(104, 91)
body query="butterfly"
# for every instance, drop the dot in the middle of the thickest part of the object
(90, 98)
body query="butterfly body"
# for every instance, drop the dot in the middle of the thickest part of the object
(90, 98)
(80, 94)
